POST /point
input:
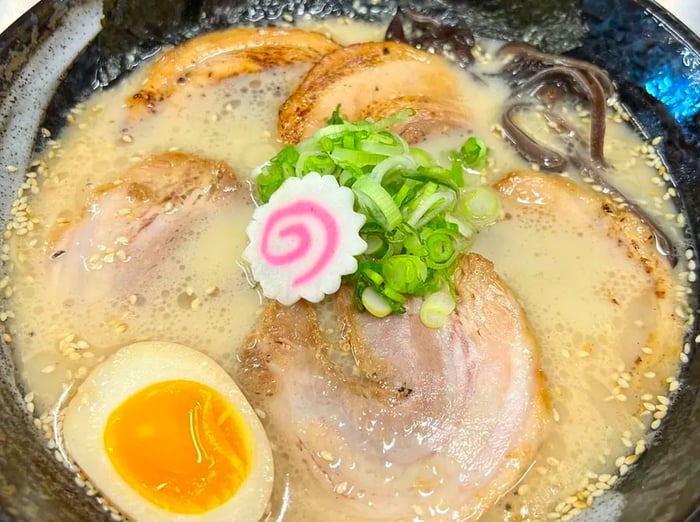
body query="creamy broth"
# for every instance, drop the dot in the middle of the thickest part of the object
(199, 293)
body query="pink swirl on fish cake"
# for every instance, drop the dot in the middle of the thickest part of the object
(302, 209)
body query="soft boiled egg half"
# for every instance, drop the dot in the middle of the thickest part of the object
(165, 434)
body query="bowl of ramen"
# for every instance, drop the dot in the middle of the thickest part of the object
(349, 261)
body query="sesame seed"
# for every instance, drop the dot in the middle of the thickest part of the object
(647, 350)
(626, 442)
(552, 461)
(127, 138)
(684, 358)
(631, 459)
(57, 455)
(326, 455)
(621, 397)
(655, 424)
(624, 469)
(673, 386)
(48, 369)
(659, 415)
(649, 375)
(124, 211)
(523, 490)
(121, 327)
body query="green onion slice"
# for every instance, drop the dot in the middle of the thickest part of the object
(481, 205)
(436, 309)
(404, 273)
(377, 202)
(374, 303)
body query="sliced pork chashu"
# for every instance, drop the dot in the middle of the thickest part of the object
(136, 220)
(408, 421)
(220, 55)
(375, 80)
(633, 278)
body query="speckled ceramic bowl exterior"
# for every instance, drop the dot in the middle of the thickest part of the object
(49, 60)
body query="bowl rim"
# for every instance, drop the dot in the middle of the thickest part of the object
(670, 22)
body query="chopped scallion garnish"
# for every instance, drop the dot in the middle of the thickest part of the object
(421, 214)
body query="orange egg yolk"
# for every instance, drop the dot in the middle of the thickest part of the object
(180, 445)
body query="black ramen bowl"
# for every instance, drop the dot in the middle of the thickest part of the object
(59, 52)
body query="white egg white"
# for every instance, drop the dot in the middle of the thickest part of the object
(128, 371)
